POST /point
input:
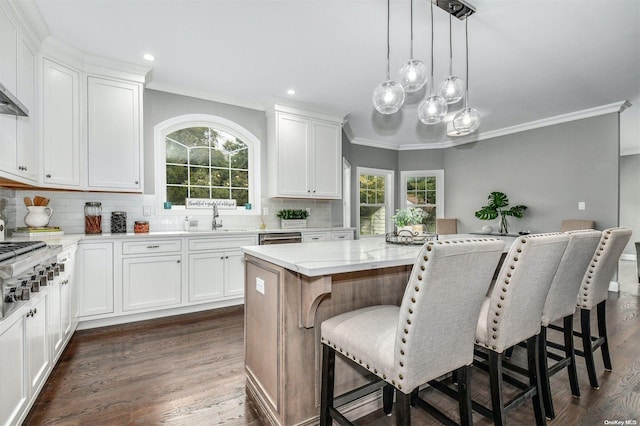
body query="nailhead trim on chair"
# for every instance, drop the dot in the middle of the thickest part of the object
(587, 280)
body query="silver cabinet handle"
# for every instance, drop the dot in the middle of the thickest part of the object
(48, 175)
(153, 247)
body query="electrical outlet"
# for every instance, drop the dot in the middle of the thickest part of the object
(260, 285)
(265, 211)
(308, 209)
(581, 205)
(146, 210)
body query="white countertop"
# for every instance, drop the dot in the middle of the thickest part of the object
(334, 257)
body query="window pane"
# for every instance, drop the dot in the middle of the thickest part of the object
(177, 175)
(431, 197)
(199, 156)
(219, 177)
(199, 192)
(220, 193)
(372, 220)
(379, 182)
(239, 179)
(364, 181)
(411, 183)
(176, 153)
(219, 159)
(192, 136)
(431, 183)
(176, 195)
(379, 197)
(363, 196)
(199, 175)
(420, 197)
(240, 160)
(420, 182)
(241, 196)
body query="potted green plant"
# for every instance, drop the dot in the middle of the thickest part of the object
(293, 218)
(409, 220)
(497, 206)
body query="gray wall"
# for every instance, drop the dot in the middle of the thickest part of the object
(630, 198)
(548, 169)
(160, 106)
(428, 159)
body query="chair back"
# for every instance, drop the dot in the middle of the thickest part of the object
(604, 263)
(519, 293)
(446, 226)
(440, 308)
(566, 283)
(577, 224)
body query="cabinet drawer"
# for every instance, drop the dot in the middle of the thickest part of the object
(221, 243)
(342, 235)
(313, 237)
(152, 246)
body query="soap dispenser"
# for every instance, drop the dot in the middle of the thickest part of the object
(185, 224)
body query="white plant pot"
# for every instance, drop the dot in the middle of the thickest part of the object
(293, 223)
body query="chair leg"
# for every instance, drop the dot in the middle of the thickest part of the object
(544, 374)
(509, 352)
(495, 380)
(533, 344)
(570, 353)
(403, 409)
(585, 322)
(414, 396)
(464, 395)
(326, 392)
(602, 332)
(387, 399)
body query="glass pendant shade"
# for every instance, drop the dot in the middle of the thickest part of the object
(467, 120)
(388, 97)
(452, 89)
(432, 109)
(413, 75)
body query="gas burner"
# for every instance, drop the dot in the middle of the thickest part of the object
(12, 249)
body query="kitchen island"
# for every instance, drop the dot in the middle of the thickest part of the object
(289, 290)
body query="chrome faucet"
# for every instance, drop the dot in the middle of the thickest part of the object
(216, 222)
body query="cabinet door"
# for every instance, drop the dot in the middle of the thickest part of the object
(206, 276)
(234, 280)
(151, 282)
(293, 154)
(55, 327)
(95, 279)
(113, 134)
(61, 125)
(26, 148)
(13, 390)
(326, 160)
(65, 310)
(37, 348)
(8, 78)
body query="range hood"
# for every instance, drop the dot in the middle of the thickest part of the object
(9, 104)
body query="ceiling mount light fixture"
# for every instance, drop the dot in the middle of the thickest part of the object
(291, 92)
(434, 107)
(388, 97)
(452, 88)
(413, 74)
(467, 120)
(149, 57)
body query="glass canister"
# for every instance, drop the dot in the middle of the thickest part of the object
(93, 217)
(141, 227)
(118, 222)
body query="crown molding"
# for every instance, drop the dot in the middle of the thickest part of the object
(545, 122)
(200, 94)
(31, 19)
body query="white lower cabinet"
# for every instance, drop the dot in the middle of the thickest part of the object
(151, 282)
(206, 271)
(95, 276)
(314, 237)
(13, 388)
(38, 354)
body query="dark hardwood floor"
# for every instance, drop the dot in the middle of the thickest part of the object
(189, 370)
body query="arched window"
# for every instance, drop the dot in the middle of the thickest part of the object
(206, 157)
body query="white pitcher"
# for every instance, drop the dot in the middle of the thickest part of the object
(37, 216)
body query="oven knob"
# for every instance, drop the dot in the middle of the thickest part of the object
(61, 266)
(43, 280)
(35, 285)
(56, 270)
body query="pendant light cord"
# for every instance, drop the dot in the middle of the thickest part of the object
(411, 47)
(450, 47)
(431, 9)
(388, 43)
(466, 41)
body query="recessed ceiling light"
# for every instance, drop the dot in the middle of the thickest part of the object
(149, 57)
(291, 92)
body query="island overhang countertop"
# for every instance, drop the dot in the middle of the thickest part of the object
(334, 257)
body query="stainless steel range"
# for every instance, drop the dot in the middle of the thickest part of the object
(24, 267)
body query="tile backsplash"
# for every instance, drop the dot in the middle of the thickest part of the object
(68, 211)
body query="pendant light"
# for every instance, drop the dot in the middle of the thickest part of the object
(452, 88)
(388, 96)
(413, 74)
(467, 120)
(434, 107)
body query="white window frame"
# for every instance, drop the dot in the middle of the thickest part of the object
(160, 132)
(438, 174)
(388, 196)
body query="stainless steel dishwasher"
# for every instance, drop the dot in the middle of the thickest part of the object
(279, 238)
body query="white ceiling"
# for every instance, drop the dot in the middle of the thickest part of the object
(529, 59)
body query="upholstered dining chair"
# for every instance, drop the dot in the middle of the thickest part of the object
(577, 224)
(560, 305)
(512, 313)
(428, 335)
(446, 226)
(593, 294)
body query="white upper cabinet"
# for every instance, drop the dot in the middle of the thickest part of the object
(8, 78)
(304, 154)
(114, 134)
(60, 125)
(26, 93)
